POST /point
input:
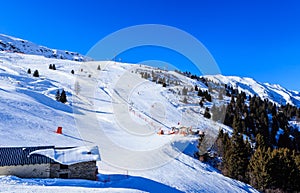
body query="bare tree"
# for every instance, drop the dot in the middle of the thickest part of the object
(77, 88)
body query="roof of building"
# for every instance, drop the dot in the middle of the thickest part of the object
(10, 156)
(69, 156)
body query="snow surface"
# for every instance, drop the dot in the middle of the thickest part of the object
(115, 108)
(71, 155)
(295, 124)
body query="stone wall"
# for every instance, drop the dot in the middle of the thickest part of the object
(27, 171)
(84, 170)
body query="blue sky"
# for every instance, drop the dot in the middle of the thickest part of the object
(253, 38)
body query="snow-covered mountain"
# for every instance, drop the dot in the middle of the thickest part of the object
(120, 107)
(29, 116)
(16, 45)
(119, 102)
(273, 92)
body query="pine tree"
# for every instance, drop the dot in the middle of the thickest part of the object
(274, 130)
(98, 68)
(57, 95)
(54, 67)
(222, 143)
(200, 93)
(260, 141)
(282, 169)
(296, 158)
(236, 123)
(164, 80)
(185, 100)
(207, 96)
(184, 91)
(72, 71)
(219, 143)
(201, 103)
(248, 149)
(237, 158)
(207, 113)
(63, 97)
(50, 66)
(277, 169)
(36, 73)
(259, 175)
(284, 140)
(28, 71)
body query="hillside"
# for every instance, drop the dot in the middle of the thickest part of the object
(30, 115)
(16, 45)
(120, 108)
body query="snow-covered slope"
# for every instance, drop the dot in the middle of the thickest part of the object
(274, 93)
(29, 115)
(16, 45)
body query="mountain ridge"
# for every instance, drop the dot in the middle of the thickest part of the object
(17, 45)
(273, 92)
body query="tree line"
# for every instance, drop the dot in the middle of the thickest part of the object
(263, 149)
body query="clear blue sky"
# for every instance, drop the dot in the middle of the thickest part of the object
(253, 38)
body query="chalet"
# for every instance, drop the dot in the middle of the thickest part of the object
(49, 162)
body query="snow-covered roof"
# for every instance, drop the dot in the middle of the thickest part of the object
(71, 155)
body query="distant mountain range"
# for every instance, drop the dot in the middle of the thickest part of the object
(273, 92)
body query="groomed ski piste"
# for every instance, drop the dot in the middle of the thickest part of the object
(114, 108)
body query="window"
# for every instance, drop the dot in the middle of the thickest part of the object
(63, 166)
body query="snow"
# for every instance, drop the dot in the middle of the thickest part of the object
(275, 93)
(136, 109)
(295, 124)
(279, 132)
(117, 111)
(71, 155)
(12, 44)
(11, 184)
(29, 114)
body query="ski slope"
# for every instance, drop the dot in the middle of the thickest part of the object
(113, 108)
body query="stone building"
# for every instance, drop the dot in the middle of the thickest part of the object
(49, 162)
